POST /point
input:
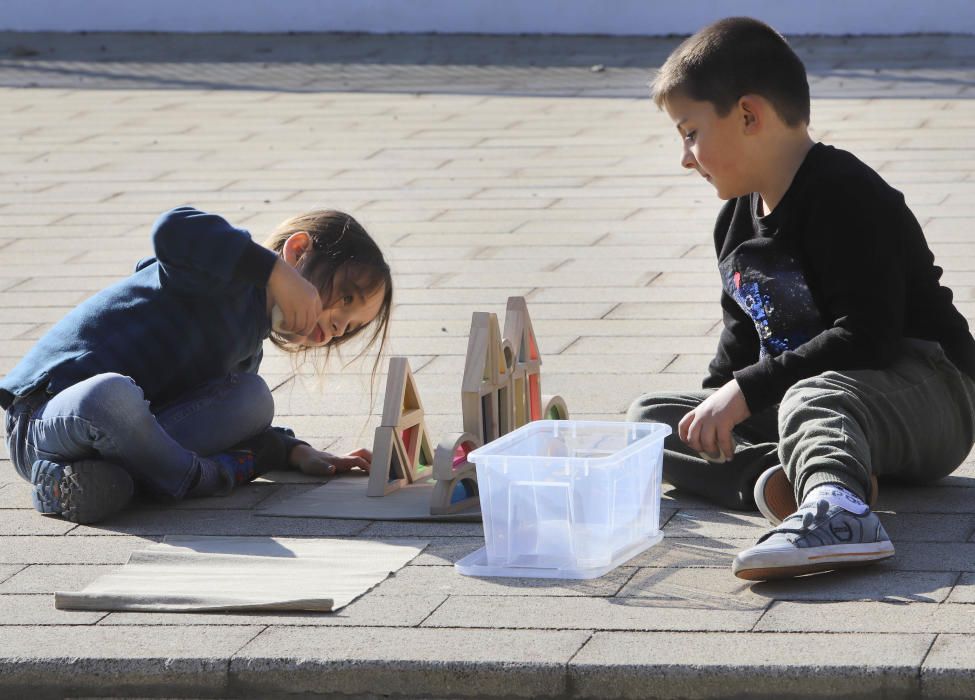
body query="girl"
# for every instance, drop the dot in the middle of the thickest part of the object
(153, 381)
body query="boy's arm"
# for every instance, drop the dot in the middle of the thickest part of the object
(202, 253)
(853, 267)
(737, 346)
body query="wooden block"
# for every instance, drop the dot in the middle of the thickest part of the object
(417, 451)
(506, 392)
(554, 408)
(450, 457)
(402, 452)
(533, 382)
(388, 471)
(485, 374)
(445, 499)
(518, 329)
(483, 360)
(402, 396)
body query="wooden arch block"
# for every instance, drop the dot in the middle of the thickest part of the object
(456, 488)
(554, 408)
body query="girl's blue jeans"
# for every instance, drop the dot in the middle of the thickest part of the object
(107, 417)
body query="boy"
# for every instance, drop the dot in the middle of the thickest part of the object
(842, 358)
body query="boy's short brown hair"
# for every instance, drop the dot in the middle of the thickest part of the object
(734, 57)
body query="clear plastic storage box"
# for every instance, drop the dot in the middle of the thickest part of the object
(567, 499)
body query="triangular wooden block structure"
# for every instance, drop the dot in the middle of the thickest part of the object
(485, 375)
(402, 452)
(526, 381)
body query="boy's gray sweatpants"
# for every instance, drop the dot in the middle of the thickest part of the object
(913, 421)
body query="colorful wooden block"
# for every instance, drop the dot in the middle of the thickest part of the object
(402, 452)
(456, 488)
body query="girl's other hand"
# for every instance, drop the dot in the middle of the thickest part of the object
(319, 463)
(297, 298)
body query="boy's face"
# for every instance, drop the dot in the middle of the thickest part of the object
(713, 146)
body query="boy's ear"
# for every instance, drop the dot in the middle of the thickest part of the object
(752, 111)
(296, 246)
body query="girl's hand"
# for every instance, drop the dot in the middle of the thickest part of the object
(319, 463)
(707, 429)
(296, 297)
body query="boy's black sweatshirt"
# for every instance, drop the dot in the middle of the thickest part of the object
(832, 279)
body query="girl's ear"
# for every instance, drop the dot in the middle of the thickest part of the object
(295, 247)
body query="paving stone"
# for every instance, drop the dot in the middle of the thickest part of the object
(39, 610)
(929, 499)
(964, 590)
(714, 524)
(705, 588)
(896, 617)
(214, 522)
(935, 556)
(429, 662)
(70, 550)
(367, 611)
(877, 582)
(50, 578)
(927, 527)
(154, 660)
(673, 665)
(690, 552)
(414, 580)
(16, 495)
(447, 550)
(30, 522)
(389, 528)
(947, 670)
(535, 612)
(7, 571)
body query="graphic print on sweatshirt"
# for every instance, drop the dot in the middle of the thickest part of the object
(768, 284)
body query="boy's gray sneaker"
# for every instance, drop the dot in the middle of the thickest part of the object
(817, 537)
(776, 500)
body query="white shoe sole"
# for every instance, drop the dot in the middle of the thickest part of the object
(762, 564)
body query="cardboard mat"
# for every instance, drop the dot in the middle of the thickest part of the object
(197, 574)
(345, 498)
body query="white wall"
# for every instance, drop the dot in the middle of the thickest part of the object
(640, 17)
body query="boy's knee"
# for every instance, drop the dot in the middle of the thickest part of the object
(645, 409)
(811, 396)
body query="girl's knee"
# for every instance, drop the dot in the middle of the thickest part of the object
(254, 393)
(110, 394)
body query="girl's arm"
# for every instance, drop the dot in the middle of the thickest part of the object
(201, 253)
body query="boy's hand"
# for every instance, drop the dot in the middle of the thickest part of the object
(707, 428)
(318, 463)
(297, 298)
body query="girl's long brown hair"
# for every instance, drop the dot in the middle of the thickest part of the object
(339, 240)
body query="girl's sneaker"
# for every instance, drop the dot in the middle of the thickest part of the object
(85, 491)
(818, 537)
(776, 499)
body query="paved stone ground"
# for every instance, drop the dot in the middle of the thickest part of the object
(486, 167)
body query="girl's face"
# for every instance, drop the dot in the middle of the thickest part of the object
(348, 307)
